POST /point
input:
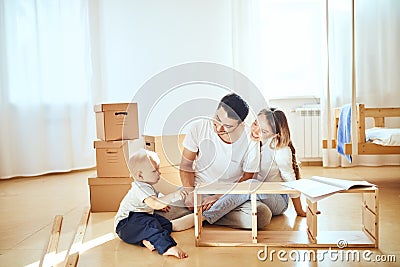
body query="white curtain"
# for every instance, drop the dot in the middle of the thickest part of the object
(46, 116)
(376, 42)
(246, 43)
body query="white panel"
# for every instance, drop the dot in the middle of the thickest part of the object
(315, 136)
(308, 137)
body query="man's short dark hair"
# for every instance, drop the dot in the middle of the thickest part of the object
(235, 106)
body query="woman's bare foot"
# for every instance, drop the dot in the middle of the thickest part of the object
(183, 223)
(177, 252)
(148, 245)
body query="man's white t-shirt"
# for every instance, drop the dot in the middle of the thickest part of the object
(217, 160)
(134, 201)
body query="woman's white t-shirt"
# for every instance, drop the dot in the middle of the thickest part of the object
(276, 165)
(217, 160)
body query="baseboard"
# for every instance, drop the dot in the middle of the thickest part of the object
(311, 163)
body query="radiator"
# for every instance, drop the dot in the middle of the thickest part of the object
(307, 133)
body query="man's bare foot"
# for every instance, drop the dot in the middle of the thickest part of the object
(148, 245)
(177, 252)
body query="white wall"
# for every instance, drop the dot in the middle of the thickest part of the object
(134, 40)
(139, 39)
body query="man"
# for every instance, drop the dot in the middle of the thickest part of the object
(220, 150)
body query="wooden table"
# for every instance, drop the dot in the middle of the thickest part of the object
(367, 236)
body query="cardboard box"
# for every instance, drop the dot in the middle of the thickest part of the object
(112, 158)
(107, 193)
(168, 148)
(170, 180)
(117, 121)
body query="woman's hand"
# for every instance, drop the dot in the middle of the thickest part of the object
(209, 201)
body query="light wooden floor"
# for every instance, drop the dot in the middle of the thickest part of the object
(28, 206)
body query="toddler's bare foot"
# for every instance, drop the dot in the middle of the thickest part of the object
(177, 252)
(148, 245)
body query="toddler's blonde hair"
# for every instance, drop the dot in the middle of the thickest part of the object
(140, 159)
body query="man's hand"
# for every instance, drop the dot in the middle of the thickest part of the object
(179, 195)
(182, 194)
(209, 201)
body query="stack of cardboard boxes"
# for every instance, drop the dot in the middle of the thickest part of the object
(116, 125)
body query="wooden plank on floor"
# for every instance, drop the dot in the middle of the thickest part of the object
(72, 256)
(72, 260)
(52, 244)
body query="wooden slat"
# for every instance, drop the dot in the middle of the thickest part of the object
(379, 122)
(324, 144)
(245, 188)
(72, 260)
(312, 206)
(370, 215)
(197, 215)
(348, 149)
(336, 126)
(374, 149)
(361, 123)
(369, 221)
(221, 237)
(312, 226)
(353, 239)
(369, 201)
(295, 239)
(377, 217)
(254, 217)
(52, 244)
(333, 143)
(74, 247)
(382, 112)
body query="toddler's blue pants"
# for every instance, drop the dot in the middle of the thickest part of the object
(141, 226)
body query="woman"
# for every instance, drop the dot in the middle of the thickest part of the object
(278, 158)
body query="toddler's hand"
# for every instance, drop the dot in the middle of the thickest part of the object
(166, 209)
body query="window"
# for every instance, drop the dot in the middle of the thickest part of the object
(47, 44)
(293, 45)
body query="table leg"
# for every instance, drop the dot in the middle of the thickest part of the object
(312, 221)
(198, 216)
(254, 217)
